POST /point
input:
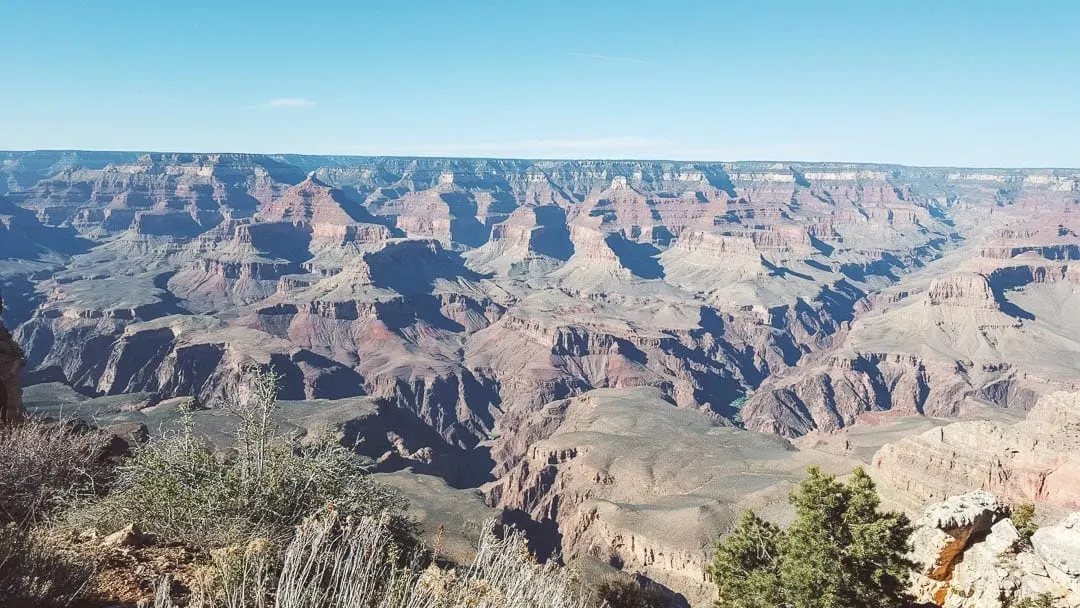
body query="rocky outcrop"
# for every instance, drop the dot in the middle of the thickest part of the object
(624, 477)
(948, 528)
(11, 362)
(1059, 546)
(969, 554)
(1031, 461)
(841, 390)
(966, 290)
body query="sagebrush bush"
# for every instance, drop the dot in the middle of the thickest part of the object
(176, 486)
(34, 574)
(620, 592)
(46, 465)
(337, 562)
(1043, 600)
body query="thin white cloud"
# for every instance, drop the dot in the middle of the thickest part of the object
(286, 102)
(600, 147)
(626, 142)
(636, 60)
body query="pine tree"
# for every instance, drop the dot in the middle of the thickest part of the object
(840, 552)
(746, 565)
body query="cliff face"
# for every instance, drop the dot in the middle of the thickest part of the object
(1030, 461)
(464, 289)
(626, 478)
(11, 362)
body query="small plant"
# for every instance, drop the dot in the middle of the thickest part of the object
(623, 593)
(1043, 600)
(33, 574)
(1023, 517)
(45, 465)
(338, 562)
(179, 488)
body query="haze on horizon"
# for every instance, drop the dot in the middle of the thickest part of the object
(922, 83)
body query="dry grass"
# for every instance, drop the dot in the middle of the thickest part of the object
(45, 465)
(351, 563)
(35, 574)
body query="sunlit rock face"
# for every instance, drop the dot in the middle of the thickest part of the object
(463, 290)
(579, 339)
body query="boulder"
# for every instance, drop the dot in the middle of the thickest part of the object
(130, 535)
(124, 437)
(946, 529)
(1059, 546)
(971, 555)
(995, 573)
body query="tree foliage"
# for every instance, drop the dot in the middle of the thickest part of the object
(840, 552)
(1023, 517)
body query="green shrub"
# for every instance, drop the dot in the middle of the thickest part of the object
(746, 565)
(840, 552)
(178, 488)
(1023, 517)
(618, 592)
(1043, 600)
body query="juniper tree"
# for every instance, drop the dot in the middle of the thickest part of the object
(840, 552)
(746, 565)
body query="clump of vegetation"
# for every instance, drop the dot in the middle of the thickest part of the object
(337, 562)
(1043, 600)
(45, 465)
(1023, 517)
(618, 592)
(840, 552)
(34, 574)
(177, 487)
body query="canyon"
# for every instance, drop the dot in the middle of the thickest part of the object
(618, 356)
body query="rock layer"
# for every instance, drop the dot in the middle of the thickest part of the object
(1030, 461)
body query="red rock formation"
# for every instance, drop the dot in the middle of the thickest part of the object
(1030, 461)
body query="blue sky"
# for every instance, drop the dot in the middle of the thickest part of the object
(958, 82)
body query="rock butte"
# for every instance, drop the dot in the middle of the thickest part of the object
(572, 338)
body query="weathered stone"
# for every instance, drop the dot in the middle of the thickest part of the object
(1059, 545)
(946, 528)
(125, 437)
(974, 557)
(992, 576)
(128, 536)
(11, 361)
